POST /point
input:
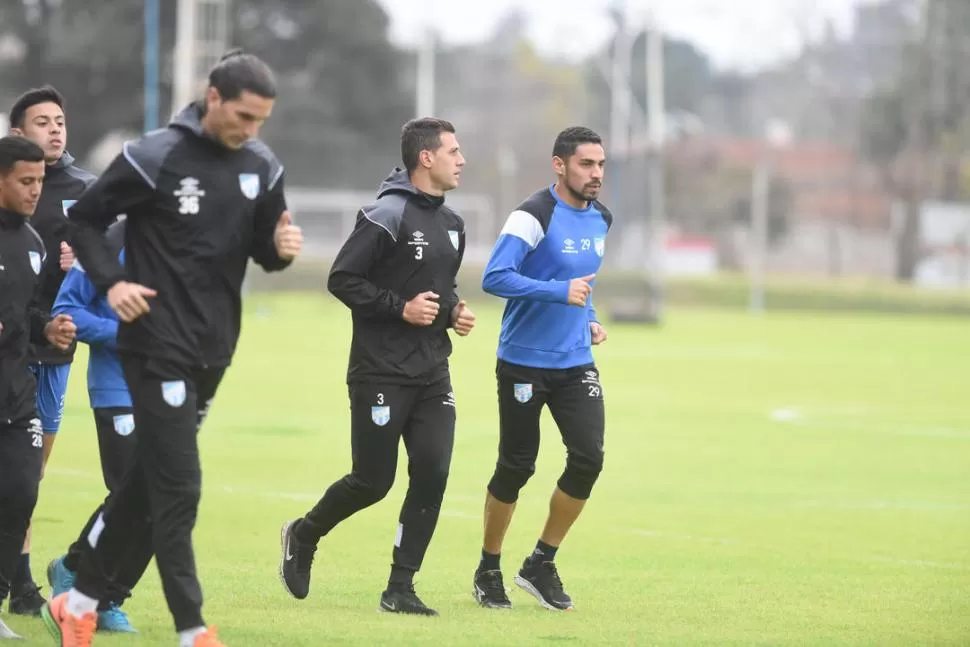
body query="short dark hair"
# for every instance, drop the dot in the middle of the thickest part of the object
(570, 139)
(29, 99)
(422, 134)
(238, 72)
(14, 148)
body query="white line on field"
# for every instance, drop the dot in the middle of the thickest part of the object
(928, 506)
(679, 536)
(67, 471)
(639, 532)
(662, 535)
(794, 416)
(697, 352)
(305, 496)
(920, 563)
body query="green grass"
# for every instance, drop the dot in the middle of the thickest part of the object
(790, 480)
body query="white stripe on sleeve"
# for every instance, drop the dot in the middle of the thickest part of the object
(524, 225)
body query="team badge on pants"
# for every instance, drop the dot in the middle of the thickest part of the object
(124, 425)
(523, 392)
(174, 393)
(380, 415)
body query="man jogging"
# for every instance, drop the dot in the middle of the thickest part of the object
(397, 274)
(97, 326)
(22, 322)
(544, 263)
(38, 115)
(202, 197)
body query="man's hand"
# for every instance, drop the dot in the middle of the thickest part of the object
(597, 332)
(67, 257)
(579, 290)
(129, 300)
(60, 331)
(288, 238)
(462, 319)
(422, 309)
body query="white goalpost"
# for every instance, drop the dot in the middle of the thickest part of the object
(201, 37)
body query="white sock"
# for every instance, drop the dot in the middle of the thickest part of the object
(78, 604)
(187, 637)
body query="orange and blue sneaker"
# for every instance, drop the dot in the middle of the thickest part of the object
(69, 630)
(208, 638)
(114, 620)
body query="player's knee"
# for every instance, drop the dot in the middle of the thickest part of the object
(507, 481)
(19, 494)
(430, 481)
(370, 490)
(189, 495)
(580, 475)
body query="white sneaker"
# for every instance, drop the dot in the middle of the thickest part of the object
(6, 633)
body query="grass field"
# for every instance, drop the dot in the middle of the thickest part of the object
(791, 480)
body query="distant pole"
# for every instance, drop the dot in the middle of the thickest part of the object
(777, 137)
(184, 73)
(657, 126)
(759, 230)
(425, 94)
(151, 64)
(620, 98)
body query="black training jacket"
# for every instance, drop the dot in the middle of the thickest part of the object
(404, 243)
(63, 184)
(196, 212)
(22, 259)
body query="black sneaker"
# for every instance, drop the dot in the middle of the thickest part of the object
(489, 590)
(295, 562)
(404, 600)
(28, 602)
(541, 579)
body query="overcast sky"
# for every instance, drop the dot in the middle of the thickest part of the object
(737, 34)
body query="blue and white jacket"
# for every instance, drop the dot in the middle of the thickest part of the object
(544, 244)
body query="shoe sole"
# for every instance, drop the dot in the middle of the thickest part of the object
(381, 608)
(479, 596)
(526, 586)
(6, 633)
(53, 628)
(283, 532)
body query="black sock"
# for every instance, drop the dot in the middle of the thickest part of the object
(544, 552)
(22, 579)
(489, 561)
(305, 532)
(401, 578)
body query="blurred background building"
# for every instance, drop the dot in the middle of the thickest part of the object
(794, 138)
